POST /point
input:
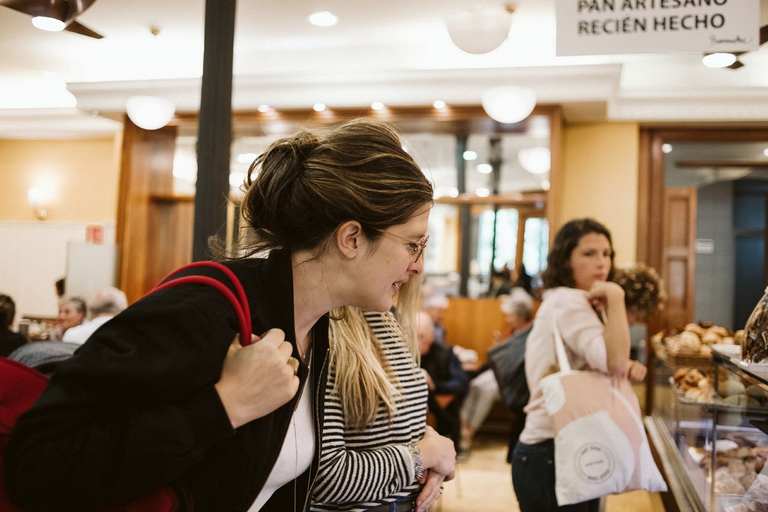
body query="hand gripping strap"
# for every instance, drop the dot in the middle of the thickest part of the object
(239, 302)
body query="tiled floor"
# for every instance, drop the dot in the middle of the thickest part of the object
(484, 484)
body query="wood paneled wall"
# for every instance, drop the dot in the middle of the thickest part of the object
(471, 323)
(146, 171)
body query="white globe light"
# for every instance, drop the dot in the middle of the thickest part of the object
(49, 24)
(509, 104)
(535, 160)
(150, 112)
(718, 60)
(479, 30)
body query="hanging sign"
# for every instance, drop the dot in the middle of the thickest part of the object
(602, 27)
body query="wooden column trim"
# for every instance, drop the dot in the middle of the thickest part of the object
(146, 168)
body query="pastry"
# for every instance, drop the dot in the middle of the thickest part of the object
(695, 328)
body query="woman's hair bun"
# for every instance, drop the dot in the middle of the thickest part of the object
(304, 186)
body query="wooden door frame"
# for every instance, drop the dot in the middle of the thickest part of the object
(650, 200)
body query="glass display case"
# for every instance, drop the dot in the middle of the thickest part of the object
(708, 432)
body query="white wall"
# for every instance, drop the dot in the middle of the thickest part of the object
(33, 255)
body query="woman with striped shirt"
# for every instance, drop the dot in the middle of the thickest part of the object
(378, 455)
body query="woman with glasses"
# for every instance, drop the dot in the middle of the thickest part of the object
(161, 395)
(378, 453)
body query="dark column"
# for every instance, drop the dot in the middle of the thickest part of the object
(465, 216)
(495, 160)
(215, 125)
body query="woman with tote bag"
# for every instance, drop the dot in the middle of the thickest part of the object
(577, 293)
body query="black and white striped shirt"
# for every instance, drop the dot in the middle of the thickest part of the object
(360, 469)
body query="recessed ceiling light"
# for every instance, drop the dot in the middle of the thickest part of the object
(470, 155)
(765, 151)
(718, 60)
(49, 24)
(377, 105)
(666, 148)
(483, 192)
(484, 169)
(318, 107)
(323, 19)
(438, 104)
(263, 108)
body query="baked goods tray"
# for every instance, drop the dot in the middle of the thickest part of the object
(691, 361)
(716, 402)
(755, 372)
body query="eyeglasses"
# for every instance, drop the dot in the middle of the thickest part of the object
(417, 247)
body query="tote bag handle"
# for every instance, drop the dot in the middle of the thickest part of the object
(239, 302)
(562, 356)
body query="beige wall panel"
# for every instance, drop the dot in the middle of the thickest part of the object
(79, 178)
(599, 180)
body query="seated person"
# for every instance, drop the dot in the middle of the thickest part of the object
(435, 306)
(105, 304)
(72, 312)
(9, 340)
(484, 389)
(444, 375)
(44, 356)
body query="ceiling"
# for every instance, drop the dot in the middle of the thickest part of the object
(397, 52)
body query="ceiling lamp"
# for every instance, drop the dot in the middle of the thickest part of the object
(146, 111)
(54, 15)
(479, 29)
(718, 60)
(323, 19)
(150, 112)
(509, 104)
(535, 160)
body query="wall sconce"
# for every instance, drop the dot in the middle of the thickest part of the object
(35, 199)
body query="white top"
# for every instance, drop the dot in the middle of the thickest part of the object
(297, 451)
(582, 334)
(80, 333)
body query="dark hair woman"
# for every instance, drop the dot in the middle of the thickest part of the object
(590, 314)
(9, 340)
(161, 395)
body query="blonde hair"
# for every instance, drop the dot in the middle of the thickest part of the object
(364, 379)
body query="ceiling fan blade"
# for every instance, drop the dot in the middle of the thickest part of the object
(81, 29)
(75, 7)
(736, 65)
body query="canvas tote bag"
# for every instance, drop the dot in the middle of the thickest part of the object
(601, 446)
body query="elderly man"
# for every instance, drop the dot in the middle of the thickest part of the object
(444, 377)
(105, 304)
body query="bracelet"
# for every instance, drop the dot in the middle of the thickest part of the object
(418, 465)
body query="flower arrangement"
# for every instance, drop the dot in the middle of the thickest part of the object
(643, 288)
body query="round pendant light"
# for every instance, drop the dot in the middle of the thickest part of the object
(149, 112)
(509, 103)
(479, 30)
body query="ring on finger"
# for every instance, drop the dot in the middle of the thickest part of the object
(294, 363)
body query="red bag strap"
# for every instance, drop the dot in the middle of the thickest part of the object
(239, 302)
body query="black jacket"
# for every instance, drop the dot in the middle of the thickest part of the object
(10, 341)
(445, 369)
(135, 408)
